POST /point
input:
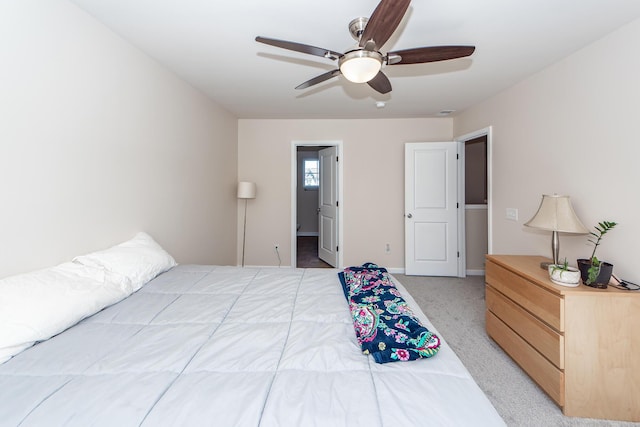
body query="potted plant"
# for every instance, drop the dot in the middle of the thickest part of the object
(596, 273)
(562, 274)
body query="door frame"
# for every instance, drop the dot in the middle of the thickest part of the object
(461, 140)
(294, 194)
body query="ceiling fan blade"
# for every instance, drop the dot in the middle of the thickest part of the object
(421, 55)
(380, 83)
(319, 79)
(299, 47)
(383, 22)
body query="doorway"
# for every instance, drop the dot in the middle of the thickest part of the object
(312, 184)
(477, 200)
(474, 198)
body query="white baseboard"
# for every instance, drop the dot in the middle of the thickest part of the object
(475, 272)
(266, 266)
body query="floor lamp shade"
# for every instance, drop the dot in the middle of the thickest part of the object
(246, 190)
(556, 214)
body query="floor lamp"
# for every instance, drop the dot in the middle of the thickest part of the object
(246, 191)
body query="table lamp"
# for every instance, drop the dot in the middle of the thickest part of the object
(556, 214)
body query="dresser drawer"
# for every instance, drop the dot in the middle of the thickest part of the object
(543, 372)
(541, 303)
(543, 338)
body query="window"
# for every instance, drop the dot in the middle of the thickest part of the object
(311, 178)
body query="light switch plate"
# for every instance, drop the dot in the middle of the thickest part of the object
(512, 214)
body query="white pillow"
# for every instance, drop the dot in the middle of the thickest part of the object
(35, 306)
(135, 261)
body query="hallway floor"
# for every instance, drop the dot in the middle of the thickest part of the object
(307, 253)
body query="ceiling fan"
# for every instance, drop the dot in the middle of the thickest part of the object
(363, 63)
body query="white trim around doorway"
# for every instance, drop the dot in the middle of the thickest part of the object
(469, 136)
(294, 178)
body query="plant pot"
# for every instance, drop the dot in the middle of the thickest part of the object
(602, 281)
(568, 277)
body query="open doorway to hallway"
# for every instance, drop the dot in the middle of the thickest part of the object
(477, 190)
(307, 207)
(316, 214)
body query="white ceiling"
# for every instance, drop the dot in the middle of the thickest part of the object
(211, 44)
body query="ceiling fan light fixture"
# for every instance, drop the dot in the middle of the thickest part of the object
(363, 62)
(360, 66)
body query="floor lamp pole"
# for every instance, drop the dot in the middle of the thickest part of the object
(244, 230)
(246, 190)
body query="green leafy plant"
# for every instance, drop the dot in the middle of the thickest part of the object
(593, 271)
(596, 237)
(560, 267)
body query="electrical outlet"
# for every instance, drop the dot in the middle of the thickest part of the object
(387, 248)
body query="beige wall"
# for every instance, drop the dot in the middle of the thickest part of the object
(570, 129)
(373, 200)
(98, 142)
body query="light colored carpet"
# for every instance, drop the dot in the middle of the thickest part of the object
(456, 309)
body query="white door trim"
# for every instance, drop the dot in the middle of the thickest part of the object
(462, 231)
(294, 189)
(464, 138)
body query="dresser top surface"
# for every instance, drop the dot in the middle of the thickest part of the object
(528, 266)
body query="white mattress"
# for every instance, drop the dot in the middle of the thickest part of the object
(227, 346)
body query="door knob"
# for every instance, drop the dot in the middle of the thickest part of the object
(318, 210)
(409, 216)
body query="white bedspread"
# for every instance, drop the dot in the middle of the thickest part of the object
(226, 346)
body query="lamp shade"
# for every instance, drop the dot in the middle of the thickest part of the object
(246, 190)
(556, 214)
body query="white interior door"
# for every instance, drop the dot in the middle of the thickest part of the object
(328, 206)
(431, 209)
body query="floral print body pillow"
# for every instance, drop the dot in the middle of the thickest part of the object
(385, 326)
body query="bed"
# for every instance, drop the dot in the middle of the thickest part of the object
(229, 346)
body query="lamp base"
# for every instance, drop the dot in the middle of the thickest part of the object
(545, 265)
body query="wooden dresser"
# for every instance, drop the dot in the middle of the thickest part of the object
(581, 345)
